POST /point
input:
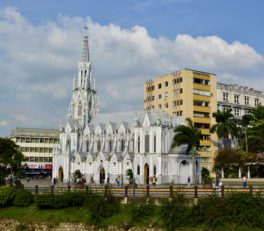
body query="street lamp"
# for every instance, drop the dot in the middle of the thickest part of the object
(244, 129)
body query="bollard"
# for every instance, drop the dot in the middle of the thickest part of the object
(52, 189)
(171, 191)
(106, 190)
(250, 189)
(69, 188)
(222, 191)
(196, 191)
(147, 193)
(36, 189)
(126, 191)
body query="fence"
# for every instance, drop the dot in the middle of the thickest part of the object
(148, 191)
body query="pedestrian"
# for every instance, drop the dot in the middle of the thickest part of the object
(91, 180)
(27, 180)
(118, 181)
(54, 181)
(154, 180)
(189, 180)
(244, 179)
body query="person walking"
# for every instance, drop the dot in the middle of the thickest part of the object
(244, 179)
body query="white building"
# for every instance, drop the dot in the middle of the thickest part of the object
(240, 99)
(37, 145)
(105, 150)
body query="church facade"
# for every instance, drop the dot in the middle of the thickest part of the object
(104, 150)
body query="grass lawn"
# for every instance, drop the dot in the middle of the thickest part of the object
(32, 213)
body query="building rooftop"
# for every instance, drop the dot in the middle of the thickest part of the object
(35, 132)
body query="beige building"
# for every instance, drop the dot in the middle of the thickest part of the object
(240, 99)
(37, 145)
(187, 93)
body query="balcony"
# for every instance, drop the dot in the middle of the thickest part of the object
(201, 87)
(202, 120)
(202, 109)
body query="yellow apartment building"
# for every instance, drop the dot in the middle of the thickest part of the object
(187, 93)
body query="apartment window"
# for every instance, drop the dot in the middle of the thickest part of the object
(225, 96)
(159, 85)
(160, 106)
(236, 99)
(257, 102)
(159, 96)
(166, 95)
(226, 108)
(246, 100)
(201, 114)
(201, 103)
(166, 84)
(178, 80)
(236, 112)
(152, 97)
(201, 81)
(177, 91)
(179, 113)
(166, 105)
(200, 92)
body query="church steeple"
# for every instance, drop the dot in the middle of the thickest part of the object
(83, 106)
(85, 51)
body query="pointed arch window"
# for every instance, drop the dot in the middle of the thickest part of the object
(110, 145)
(147, 143)
(80, 108)
(87, 145)
(132, 144)
(122, 144)
(68, 144)
(98, 145)
(155, 144)
(138, 144)
(138, 170)
(154, 170)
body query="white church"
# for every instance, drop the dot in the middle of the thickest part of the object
(105, 148)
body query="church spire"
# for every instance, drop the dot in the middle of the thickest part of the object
(83, 106)
(85, 51)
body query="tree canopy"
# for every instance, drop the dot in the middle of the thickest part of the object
(10, 158)
(190, 136)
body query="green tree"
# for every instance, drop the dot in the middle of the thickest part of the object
(225, 127)
(255, 130)
(10, 158)
(77, 175)
(190, 136)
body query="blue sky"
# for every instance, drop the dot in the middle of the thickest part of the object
(131, 41)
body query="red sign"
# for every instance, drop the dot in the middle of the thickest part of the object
(48, 166)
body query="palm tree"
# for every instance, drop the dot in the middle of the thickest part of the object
(226, 126)
(190, 136)
(255, 129)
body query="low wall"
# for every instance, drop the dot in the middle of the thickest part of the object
(13, 225)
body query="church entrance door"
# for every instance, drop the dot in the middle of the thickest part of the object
(146, 174)
(60, 174)
(102, 176)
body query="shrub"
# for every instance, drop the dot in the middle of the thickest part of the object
(23, 198)
(209, 211)
(137, 212)
(7, 194)
(175, 213)
(58, 201)
(45, 201)
(245, 209)
(75, 199)
(101, 207)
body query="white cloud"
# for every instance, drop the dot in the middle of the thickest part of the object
(37, 64)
